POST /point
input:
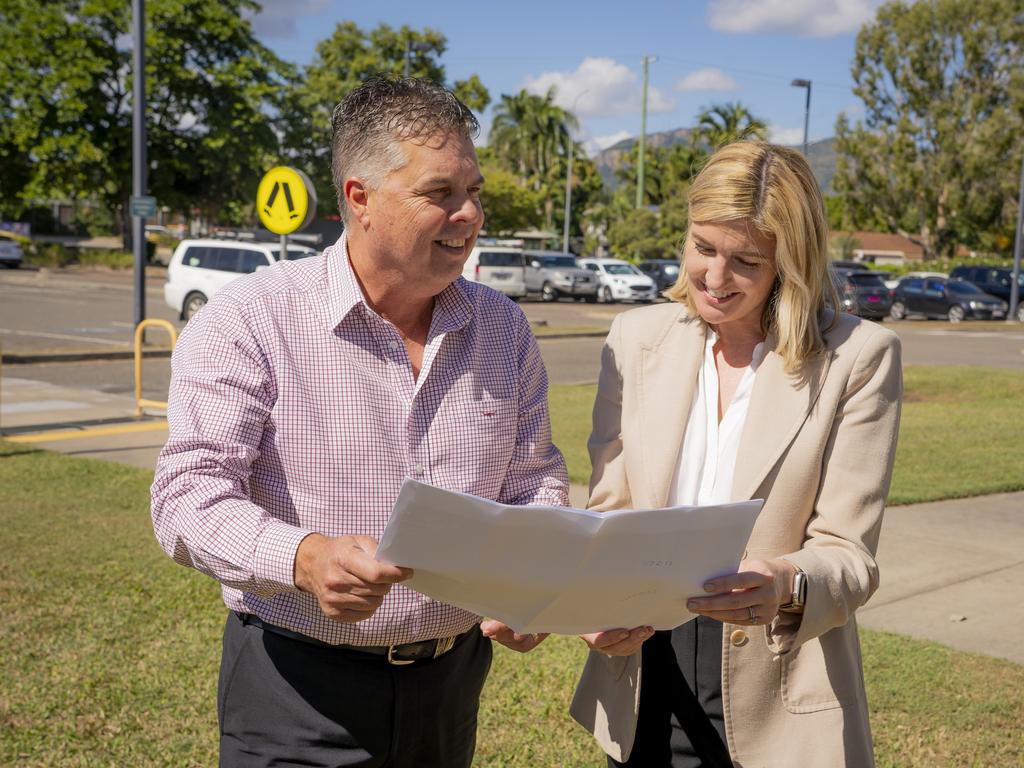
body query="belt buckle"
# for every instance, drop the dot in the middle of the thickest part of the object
(397, 662)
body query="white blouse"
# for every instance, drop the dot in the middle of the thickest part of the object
(707, 457)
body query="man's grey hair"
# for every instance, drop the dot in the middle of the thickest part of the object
(369, 125)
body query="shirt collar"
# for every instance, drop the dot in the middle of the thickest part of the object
(452, 307)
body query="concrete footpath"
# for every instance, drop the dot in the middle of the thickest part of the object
(951, 571)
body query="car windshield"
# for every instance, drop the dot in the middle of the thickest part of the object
(620, 269)
(501, 259)
(866, 281)
(964, 289)
(293, 253)
(558, 261)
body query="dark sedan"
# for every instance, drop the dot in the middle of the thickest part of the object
(862, 293)
(952, 300)
(664, 272)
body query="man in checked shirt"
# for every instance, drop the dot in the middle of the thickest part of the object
(301, 398)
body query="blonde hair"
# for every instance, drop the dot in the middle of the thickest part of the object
(774, 189)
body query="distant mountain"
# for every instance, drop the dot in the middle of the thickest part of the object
(822, 155)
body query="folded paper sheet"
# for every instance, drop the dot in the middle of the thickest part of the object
(556, 569)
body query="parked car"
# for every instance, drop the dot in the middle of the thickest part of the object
(862, 293)
(200, 268)
(892, 282)
(553, 275)
(11, 254)
(996, 281)
(500, 267)
(942, 298)
(664, 272)
(619, 280)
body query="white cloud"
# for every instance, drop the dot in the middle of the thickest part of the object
(597, 143)
(600, 87)
(808, 18)
(277, 19)
(707, 79)
(789, 137)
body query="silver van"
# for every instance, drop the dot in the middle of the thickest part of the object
(502, 268)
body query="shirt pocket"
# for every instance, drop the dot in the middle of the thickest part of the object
(811, 684)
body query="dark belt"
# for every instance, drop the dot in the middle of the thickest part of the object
(399, 655)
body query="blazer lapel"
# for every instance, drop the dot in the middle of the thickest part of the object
(666, 387)
(779, 405)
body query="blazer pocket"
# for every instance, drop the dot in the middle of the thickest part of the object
(810, 685)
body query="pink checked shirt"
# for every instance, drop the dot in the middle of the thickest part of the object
(293, 410)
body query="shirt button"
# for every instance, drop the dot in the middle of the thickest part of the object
(419, 469)
(394, 345)
(738, 637)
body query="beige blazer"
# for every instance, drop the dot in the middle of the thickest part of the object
(819, 448)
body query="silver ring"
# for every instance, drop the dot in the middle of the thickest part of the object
(753, 616)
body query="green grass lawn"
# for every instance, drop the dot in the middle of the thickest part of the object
(959, 434)
(110, 650)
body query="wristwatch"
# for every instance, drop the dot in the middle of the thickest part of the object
(799, 596)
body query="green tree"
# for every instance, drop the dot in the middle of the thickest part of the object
(509, 206)
(937, 153)
(638, 234)
(210, 86)
(725, 123)
(341, 62)
(532, 136)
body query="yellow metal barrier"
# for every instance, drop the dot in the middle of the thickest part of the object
(140, 402)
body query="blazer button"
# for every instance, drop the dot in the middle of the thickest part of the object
(738, 637)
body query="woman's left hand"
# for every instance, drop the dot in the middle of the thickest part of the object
(750, 597)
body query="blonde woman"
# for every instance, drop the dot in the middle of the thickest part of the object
(748, 386)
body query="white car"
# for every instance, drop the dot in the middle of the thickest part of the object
(200, 268)
(620, 281)
(10, 252)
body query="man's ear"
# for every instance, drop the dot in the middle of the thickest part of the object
(357, 198)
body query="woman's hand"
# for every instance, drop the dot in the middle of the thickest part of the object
(751, 597)
(618, 642)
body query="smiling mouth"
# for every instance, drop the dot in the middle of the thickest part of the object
(455, 245)
(718, 297)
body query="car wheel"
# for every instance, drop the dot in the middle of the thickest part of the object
(606, 295)
(193, 303)
(898, 311)
(548, 292)
(591, 299)
(956, 313)
(1020, 313)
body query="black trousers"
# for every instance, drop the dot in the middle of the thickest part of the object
(661, 741)
(284, 702)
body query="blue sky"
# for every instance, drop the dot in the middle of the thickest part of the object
(708, 51)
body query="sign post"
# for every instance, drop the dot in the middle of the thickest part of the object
(286, 202)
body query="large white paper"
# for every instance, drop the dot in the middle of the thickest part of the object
(557, 569)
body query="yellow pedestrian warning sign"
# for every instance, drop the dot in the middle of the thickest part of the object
(285, 200)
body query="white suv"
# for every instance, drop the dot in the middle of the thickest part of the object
(620, 281)
(200, 268)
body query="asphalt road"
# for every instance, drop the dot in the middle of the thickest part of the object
(91, 310)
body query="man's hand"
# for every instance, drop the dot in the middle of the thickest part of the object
(618, 642)
(343, 576)
(503, 634)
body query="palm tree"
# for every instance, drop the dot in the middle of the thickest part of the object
(532, 136)
(724, 123)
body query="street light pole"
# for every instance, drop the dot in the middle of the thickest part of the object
(800, 83)
(568, 179)
(1018, 246)
(139, 155)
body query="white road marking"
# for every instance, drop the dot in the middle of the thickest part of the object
(66, 337)
(41, 405)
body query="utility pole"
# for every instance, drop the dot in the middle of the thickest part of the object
(1018, 246)
(139, 155)
(643, 136)
(800, 83)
